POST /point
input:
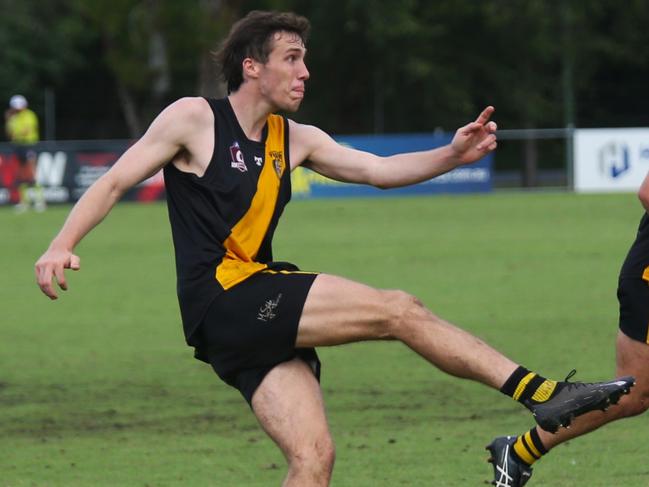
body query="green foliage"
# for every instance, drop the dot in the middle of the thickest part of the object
(377, 66)
(123, 26)
(98, 388)
(38, 47)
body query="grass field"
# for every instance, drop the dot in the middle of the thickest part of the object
(98, 388)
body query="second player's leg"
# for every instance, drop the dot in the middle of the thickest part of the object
(632, 360)
(513, 456)
(339, 311)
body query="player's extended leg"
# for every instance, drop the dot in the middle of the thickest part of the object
(339, 311)
(288, 404)
(515, 455)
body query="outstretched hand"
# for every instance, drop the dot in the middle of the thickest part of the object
(476, 139)
(51, 267)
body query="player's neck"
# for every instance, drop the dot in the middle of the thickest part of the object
(251, 113)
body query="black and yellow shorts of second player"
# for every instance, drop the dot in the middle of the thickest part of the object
(633, 296)
(252, 327)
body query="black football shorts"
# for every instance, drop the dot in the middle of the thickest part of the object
(252, 327)
(633, 295)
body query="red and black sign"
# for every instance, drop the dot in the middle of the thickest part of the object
(65, 170)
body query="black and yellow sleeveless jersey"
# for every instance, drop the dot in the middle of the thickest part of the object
(636, 263)
(223, 222)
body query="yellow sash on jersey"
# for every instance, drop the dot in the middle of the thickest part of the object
(242, 246)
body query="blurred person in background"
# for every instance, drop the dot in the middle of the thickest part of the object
(21, 126)
(513, 456)
(255, 320)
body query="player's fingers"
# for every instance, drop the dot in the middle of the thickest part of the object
(483, 118)
(44, 279)
(487, 142)
(59, 274)
(469, 128)
(492, 126)
(75, 262)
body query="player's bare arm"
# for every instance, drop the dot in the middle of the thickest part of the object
(176, 134)
(643, 193)
(317, 150)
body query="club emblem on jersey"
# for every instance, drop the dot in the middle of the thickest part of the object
(259, 160)
(237, 158)
(267, 311)
(278, 162)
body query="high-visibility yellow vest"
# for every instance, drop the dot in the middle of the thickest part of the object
(22, 127)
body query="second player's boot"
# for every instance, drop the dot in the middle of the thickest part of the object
(509, 470)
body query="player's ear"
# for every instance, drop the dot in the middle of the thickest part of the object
(250, 68)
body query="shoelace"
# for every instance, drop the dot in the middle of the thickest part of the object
(573, 385)
(570, 375)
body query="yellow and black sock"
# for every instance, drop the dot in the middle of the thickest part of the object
(528, 387)
(528, 447)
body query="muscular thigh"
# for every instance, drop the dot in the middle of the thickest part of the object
(338, 310)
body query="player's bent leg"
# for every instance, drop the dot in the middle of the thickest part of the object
(632, 360)
(339, 310)
(288, 404)
(507, 453)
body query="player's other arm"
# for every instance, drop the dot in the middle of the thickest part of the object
(318, 151)
(643, 193)
(165, 137)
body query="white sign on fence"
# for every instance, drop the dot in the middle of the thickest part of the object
(607, 160)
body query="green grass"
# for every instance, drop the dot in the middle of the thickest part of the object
(98, 388)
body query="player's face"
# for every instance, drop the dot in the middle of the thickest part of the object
(283, 76)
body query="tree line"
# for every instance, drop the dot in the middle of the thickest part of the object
(105, 68)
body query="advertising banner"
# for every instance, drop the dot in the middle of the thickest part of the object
(65, 170)
(608, 160)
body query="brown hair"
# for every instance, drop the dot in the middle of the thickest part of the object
(251, 37)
